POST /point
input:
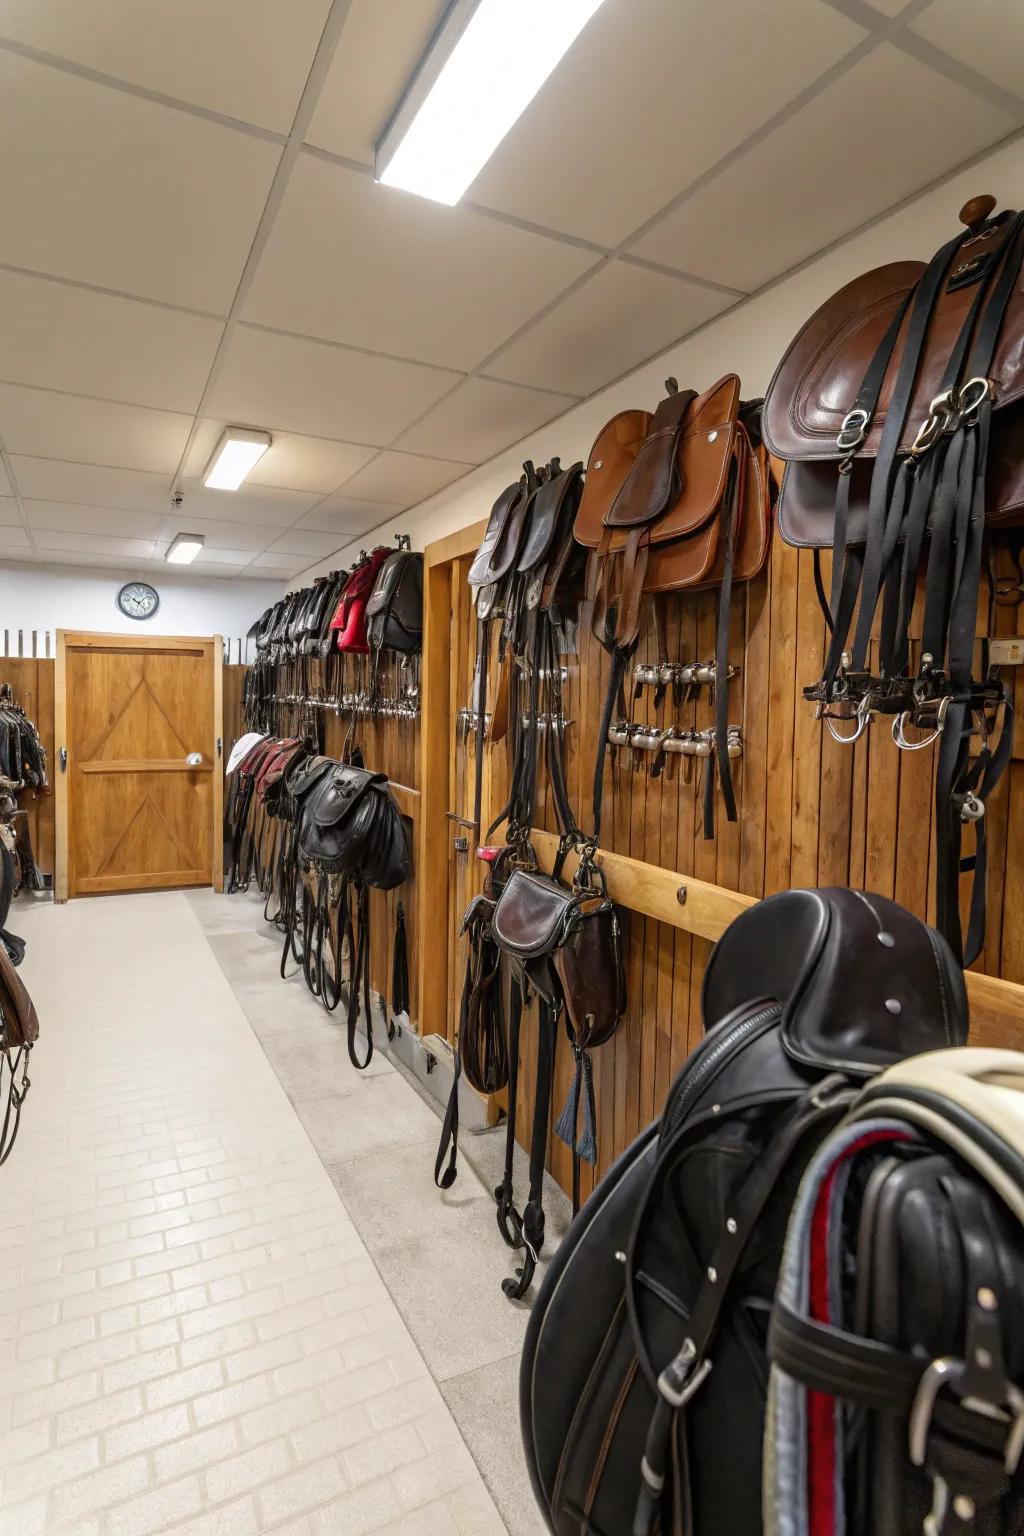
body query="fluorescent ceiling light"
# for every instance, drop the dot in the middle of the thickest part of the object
(487, 62)
(184, 548)
(237, 453)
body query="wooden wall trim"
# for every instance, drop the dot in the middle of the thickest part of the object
(997, 1006)
(465, 541)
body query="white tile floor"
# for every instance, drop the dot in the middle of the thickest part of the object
(193, 1338)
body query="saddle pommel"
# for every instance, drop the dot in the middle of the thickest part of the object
(977, 210)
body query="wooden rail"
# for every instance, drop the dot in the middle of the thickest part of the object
(696, 906)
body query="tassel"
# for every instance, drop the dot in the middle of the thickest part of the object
(586, 1146)
(568, 1120)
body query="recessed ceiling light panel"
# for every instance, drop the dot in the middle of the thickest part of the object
(236, 455)
(184, 548)
(484, 67)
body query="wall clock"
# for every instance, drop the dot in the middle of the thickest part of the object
(138, 600)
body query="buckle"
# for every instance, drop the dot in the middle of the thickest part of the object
(972, 396)
(948, 1372)
(853, 430)
(679, 1381)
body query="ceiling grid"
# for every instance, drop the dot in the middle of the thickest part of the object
(391, 345)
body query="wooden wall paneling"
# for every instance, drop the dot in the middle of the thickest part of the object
(32, 681)
(669, 827)
(684, 781)
(807, 733)
(1011, 955)
(782, 680)
(755, 685)
(436, 731)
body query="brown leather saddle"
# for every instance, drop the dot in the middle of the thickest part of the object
(899, 413)
(674, 501)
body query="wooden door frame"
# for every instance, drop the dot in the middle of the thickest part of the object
(436, 737)
(84, 640)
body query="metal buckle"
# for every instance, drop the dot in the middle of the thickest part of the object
(679, 1381)
(853, 430)
(967, 405)
(943, 415)
(950, 1372)
(973, 808)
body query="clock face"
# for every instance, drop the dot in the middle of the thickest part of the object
(138, 600)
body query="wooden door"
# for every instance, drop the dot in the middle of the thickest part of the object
(139, 801)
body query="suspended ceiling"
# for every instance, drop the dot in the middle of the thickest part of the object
(190, 236)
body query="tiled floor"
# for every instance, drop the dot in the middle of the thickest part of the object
(195, 1338)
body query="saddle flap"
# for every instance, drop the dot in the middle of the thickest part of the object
(533, 914)
(653, 482)
(480, 910)
(306, 773)
(492, 559)
(385, 585)
(611, 458)
(818, 380)
(343, 791)
(546, 515)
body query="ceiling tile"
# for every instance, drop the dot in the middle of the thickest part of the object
(783, 201)
(379, 49)
(265, 573)
(293, 462)
(260, 505)
(106, 188)
(235, 558)
(343, 515)
(278, 565)
(53, 335)
(327, 391)
(401, 479)
(648, 103)
(614, 322)
(13, 538)
(91, 543)
(90, 484)
(482, 417)
(67, 517)
(10, 515)
(57, 426)
(218, 536)
(437, 284)
(245, 58)
(300, 541)
(988, 35)
(5, 484)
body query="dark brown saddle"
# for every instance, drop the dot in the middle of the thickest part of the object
(674, 501)
(898, 411)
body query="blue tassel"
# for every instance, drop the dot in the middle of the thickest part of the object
(587, 1144)
(565, 1129)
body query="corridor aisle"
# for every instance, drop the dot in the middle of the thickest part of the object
(194, 1338)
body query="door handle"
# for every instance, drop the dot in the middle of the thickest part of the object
(63, 755)
(194, 760)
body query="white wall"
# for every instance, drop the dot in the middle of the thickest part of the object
(56, 597)
(749, 340)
